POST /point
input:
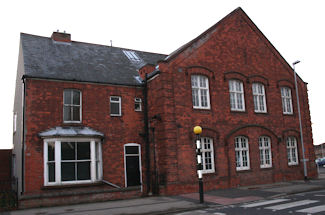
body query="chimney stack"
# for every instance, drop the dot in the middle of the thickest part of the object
(61, 37)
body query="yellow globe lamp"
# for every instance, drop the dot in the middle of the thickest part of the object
(197, 130)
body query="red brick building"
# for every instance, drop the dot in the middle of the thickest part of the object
(97, 122)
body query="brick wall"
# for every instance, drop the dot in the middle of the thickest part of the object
(234, 49)
(44, 110)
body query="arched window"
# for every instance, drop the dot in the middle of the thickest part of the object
(236, 92)
(200, 92)
(259, 98)
(242, 153)
(292, 151)
(207, 154)
(265, 152)
(286, 100)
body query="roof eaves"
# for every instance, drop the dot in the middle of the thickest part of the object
(81, 81)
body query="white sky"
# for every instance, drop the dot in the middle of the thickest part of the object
(296, 28)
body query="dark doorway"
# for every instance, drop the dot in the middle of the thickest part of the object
(132, 165)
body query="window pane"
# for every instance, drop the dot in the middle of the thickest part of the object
(50, 151)
(76, 113)
(115, 108)
(204, 99)
(83, 151)
(66, 113)
(83, 169)
(232, 101)
(202, 81)
(51, 172)
(132, 150)
(76, 97)
(67, 151)
(68, 171)
(67, 96)
(115, 99)
(194, 81)
(195, 97)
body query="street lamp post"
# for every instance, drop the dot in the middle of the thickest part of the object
(197, 131)
(300, 125)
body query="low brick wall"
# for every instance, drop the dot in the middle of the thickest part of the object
(75, 197)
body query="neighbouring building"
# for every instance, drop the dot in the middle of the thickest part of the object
(95, 122)
(319, 150)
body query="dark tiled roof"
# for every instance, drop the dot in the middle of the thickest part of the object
(76, 61)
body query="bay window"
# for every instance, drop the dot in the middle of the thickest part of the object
(72, 161)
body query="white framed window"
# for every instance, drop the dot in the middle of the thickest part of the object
(72, 161)
(286, 100)
(207, 155)
(137, 104)
(264, 144)
(242, 153)
(200, 92)
(259, 98)
(115, 106)
(236, 91)
(292, 151)
(72, 106)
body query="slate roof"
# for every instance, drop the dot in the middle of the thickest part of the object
(77, 61)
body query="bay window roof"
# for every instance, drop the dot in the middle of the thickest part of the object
(70, 132)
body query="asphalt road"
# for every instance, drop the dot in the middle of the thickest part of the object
(303, 203)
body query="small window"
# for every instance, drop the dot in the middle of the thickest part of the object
(286, 100)
(236, 91)
(115, 106)
(200, 92)
(72, 105)
(137, 104)
(259, 98)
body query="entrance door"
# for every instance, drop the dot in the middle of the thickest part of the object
(132, 164)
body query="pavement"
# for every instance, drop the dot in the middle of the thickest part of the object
(175, 204)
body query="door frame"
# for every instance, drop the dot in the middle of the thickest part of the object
(140, 167)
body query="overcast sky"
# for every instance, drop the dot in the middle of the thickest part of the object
(296, 28)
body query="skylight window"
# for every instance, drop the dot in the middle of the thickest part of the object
(132, 56)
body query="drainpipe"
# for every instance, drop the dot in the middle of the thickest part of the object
(146, 135)
(23, 142)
